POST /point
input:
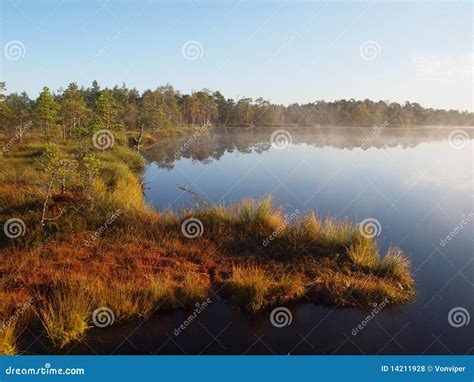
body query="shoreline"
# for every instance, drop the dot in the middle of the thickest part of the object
(152, 259)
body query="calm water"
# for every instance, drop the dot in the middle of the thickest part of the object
(413, 182)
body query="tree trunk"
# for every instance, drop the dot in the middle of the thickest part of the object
(139, 140)
(45, 204)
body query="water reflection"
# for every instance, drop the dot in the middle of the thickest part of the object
(412, 181)
(212, 146)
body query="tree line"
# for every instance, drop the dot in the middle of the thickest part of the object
(81, 110)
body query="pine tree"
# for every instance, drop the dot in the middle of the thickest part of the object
(73, 109)
(5, 112)
(46, 112)
(106, 109)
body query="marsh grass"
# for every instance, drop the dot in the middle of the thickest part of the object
(8, 340)
(142, 262)
(254, 289)
(290, 287)
(125, 301)
(395, 265)
(139, 298)
(257, 217)
(307, 228)
(65, 317)
(162, 290)
(364, 252)
(192, 289)
(248, 287)
(337, 232)
(247, 219)
(85, 206)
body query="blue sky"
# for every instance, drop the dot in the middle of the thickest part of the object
(284, 51)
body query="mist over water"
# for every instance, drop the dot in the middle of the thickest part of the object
(417, 183)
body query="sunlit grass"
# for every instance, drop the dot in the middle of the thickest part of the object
(162, 290)
(248, 287)
(337, 232)
(307, 228)
(8, 340)
(192, 289)
(253, 288)
(364, 252)
(65, 317)
(258, 217)
(395, 265)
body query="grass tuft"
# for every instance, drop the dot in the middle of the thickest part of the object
(364, 252)
(337, 232)
(8, 341)
(258, 217)
(192, 289)
(248, 287)
(254, 289)
(161, 290)
(395, 265)
(65, 317)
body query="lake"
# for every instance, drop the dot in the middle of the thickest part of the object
(417, 183)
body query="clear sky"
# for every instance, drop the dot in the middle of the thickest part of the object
(284, 51)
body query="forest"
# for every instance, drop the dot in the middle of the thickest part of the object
(79, 110)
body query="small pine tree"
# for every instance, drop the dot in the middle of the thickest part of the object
(106, 109)
(46, 112)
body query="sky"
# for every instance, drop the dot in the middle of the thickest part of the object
(283, 51)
